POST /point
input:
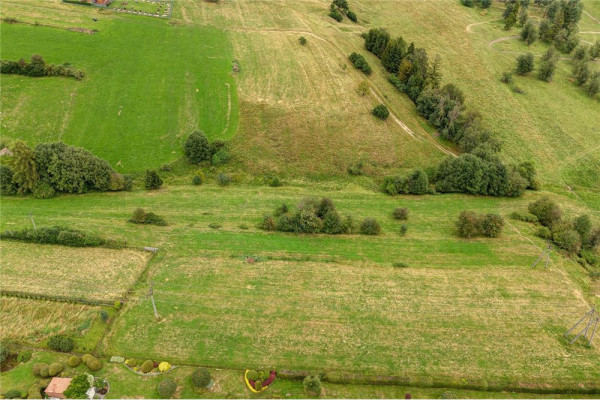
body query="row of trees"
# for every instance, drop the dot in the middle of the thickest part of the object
(480, 172)
(57, 167)
(38, 67)
(359, 62)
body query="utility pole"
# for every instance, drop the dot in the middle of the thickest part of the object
(32, 221)
(151, 294)
(545, 253)
(593, 320)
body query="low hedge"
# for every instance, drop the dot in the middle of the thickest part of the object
(59, 235)
(63, 299)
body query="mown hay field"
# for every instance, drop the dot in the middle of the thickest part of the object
(34, 320)
(78, 273)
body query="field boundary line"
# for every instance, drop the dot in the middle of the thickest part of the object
(59, 299)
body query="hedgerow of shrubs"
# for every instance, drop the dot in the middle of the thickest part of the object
(38, 67)
(166, 388)
(61, 343)
(200, 378)
(470, 224)
(44, 370)
(59, 235)
(416, 182)
(360, 63)
(310, 216)
(140, 216)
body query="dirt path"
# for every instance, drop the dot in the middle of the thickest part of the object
(468, 28)
(403, 125)
(228, 109)
(591, 32)
(591, 16)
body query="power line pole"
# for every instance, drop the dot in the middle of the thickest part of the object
(32, 221)
(151, 294)
(545, 253)
(593, 320)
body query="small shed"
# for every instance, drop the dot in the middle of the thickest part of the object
(57, 386)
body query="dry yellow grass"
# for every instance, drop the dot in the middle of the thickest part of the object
(91, 273)
(34, 320)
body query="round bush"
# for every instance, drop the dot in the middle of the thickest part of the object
(104, 315)
(200, 378)
(258, 385)
(381, 112)
(55, 369)
(94, 364)
(61, 343)
(147, 366)
(44, 371)
(166, 388)
(312, 384)
(252, 375)
(263, 375)
(86, 358)
(12, 394)
(400, 213)
(198, 178)
(164, 366)
(197, 148)
(131, 362)
(370, 226)
(37, 368)
(74, 361)
(223, 179)
(544, 233)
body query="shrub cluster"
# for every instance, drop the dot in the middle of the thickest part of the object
(310, 216)
(59, 235)
(478, 3)
(74, 361)
(92, 362)
(44, 370)
(152, 180)
(339, 8)
(12, 394)
(416, 182)
(400, 213)
(147, 366)
(166, 388)
(78, 387)
(38, 67)
(577, 236)
(360, 63)
(197, 149)
(7, 186)
(471, 224)
(61, 343)
(140, 216)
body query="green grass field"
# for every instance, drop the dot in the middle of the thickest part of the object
(464, 312)
(138, 102)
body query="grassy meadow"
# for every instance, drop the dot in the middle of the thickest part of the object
(138, 102)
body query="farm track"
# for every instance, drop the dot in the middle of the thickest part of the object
(400, 123)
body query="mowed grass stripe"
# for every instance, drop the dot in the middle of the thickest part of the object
(89, 273)
(363, 319)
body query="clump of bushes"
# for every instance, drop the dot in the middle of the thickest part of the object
(166, 388)
(38, 68)
(55, 369)
(200, 378)
(78, 387)
(339, 8)
(523, 216)
(140, 216)
(43, 190)
(355, 169)
(24, 356)
(12, 394)
(224, 179)
(400, 213)
(44, 370)
(198, 178)
(152, 180)
(61, 343)
(416, 182)
(312, 385)
(59, 235)
(546, 211)
(381, 112)
(370, 226)
(92, 362)
(471, 224)
(131, 362)
(360, 63)
(310, 216)
(197, 149)
(302, 40)
(7, 186)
